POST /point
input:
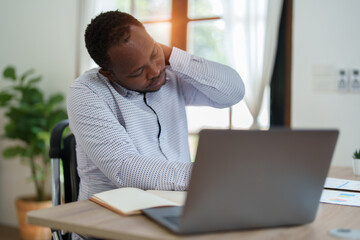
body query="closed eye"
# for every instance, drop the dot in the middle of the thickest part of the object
(137, 73)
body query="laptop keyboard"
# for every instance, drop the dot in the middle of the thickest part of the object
(172, 219)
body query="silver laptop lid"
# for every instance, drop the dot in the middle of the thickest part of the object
(252, 179)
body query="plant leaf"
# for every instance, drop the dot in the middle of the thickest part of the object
(356, 154)
(10, 73)
(12, 152)
(5, 97)
(32, 95)
(53, 101)
(55, 117)
(56, 98)
(27, 73)
(33, 81)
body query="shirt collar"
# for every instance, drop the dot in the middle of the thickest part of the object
(124, 91)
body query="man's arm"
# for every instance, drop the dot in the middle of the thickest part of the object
(204, 82)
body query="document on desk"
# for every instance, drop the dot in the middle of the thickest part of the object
(340, 197)
(342, 184)
(341, 191)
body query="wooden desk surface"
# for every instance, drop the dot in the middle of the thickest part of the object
(88, 218)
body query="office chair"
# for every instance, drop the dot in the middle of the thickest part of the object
(62, 150)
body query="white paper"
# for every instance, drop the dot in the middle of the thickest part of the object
(342, 184)
(340, 197)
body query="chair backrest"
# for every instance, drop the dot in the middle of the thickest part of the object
(63, 150)
(71, 177)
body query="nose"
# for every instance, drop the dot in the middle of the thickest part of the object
(153, 71)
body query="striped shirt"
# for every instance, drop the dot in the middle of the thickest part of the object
(130, 139)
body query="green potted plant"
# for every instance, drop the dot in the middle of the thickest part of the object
(30, 117)
(356, 162)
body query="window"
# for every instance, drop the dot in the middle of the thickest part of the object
(154, 14)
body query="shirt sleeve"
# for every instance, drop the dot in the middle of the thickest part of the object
(205, 82)
(107, 144)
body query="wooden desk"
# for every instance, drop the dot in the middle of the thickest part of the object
(88, 218)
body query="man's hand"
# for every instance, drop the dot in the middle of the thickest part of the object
(167, 52)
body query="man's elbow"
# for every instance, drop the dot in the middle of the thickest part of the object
(235, 96)
(241, 90)
(238, 90)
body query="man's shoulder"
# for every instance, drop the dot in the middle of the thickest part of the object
(89, 75)
(91, 78)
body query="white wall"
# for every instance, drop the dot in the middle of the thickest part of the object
(326, 35)
(39, 34)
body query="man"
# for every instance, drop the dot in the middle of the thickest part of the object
(128, 116)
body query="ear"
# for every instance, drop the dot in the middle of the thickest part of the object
(107, 74)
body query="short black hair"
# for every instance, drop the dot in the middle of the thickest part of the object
(106, 30)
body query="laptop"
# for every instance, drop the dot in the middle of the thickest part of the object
(245, 179)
